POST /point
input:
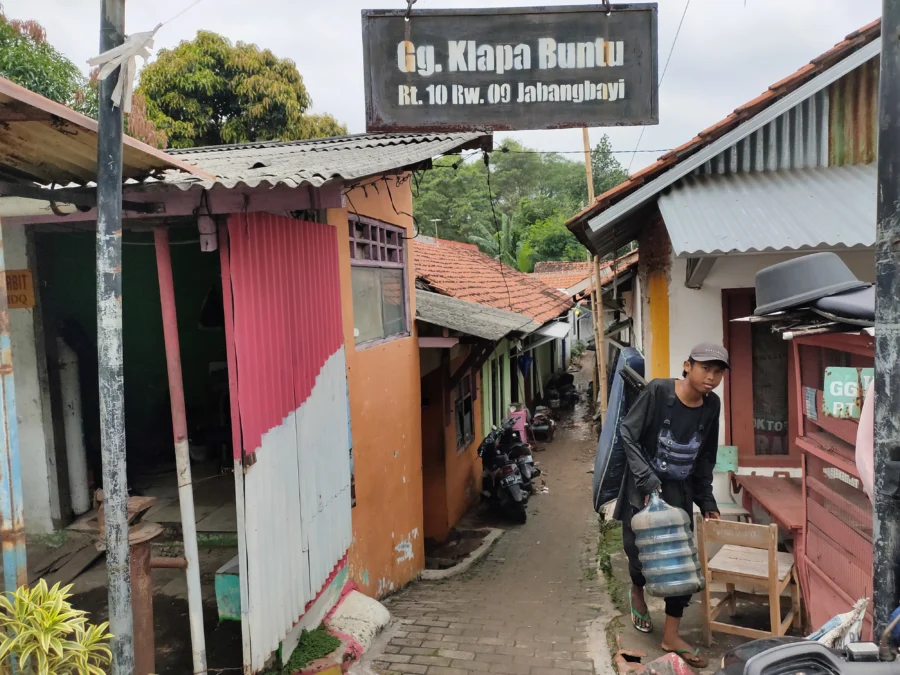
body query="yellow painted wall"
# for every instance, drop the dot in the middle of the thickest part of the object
(658, 299)
(385, 413)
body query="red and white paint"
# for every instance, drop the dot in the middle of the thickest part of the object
(292, 456)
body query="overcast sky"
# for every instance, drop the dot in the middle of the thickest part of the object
(728, 51)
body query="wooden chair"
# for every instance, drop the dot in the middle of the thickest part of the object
(749, 557)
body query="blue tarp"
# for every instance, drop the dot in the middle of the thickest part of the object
(610, 462)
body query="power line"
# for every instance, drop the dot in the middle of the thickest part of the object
(662, 77)
(487, 166)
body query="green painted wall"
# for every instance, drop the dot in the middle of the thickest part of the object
(68, 291)
(500, 358)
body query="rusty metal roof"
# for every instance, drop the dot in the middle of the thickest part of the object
(315, 162)
(795, 210)
(470, 318)
(668, 164)
(46, 142)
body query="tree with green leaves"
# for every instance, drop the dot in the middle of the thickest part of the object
(29, 60)
(208, 91)
(502, 243)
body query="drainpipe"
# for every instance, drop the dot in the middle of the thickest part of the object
(12, 515)
(109, 348)
(182, 449)
(76, 453)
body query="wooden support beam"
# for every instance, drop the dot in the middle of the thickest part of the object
(437, 342)
(697, 271)
(86, 199)
(600, 344)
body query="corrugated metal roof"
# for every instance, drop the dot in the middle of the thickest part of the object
(46, 142)
(795, 210)
(314, 162)
(717, 149)
(470, 318)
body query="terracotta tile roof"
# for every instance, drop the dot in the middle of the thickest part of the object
(561, 267)
(562, 280)
(562, 273)
(841, 50)
(462, 271)
(623, 264)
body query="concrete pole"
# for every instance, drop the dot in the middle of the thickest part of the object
(887, 324)
(109, 348)
(182, 449)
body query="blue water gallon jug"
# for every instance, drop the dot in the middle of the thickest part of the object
(666, 550)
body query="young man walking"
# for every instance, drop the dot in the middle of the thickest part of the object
(671, 436)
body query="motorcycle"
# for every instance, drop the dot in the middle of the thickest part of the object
(791, 655)
(501, 479)
(511, 444)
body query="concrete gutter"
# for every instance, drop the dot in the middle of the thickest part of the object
(476, 555)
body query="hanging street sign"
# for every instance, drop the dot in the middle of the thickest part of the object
(511, 68)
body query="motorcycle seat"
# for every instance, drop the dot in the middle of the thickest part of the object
(856, 306)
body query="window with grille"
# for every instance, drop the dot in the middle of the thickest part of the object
(378, 268)
(465, 412)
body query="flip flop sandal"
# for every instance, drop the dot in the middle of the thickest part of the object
(691, 657)
(637, 616)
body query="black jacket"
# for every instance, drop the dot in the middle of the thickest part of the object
(639, 431)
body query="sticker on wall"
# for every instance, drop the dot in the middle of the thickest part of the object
(809, 400)
(19, 289)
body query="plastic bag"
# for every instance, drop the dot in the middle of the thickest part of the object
(610, 461)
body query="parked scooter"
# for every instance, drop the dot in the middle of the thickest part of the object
(501, 479)
(511, 444)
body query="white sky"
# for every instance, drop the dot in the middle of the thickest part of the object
(728, 51)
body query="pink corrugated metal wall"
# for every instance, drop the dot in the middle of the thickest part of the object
(292, 405)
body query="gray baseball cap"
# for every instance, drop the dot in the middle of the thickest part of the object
(706, 352)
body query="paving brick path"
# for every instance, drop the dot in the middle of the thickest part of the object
(525, 609)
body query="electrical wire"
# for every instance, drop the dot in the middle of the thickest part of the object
(487, 166)
(662, 77)
(184, 11)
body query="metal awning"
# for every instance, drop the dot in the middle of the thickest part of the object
(772, 211)
(45, 142)
(470, 318)
(557, 329)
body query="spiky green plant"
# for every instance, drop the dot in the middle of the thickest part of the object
(45, 635)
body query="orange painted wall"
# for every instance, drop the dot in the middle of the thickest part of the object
(452, 476)
(463, 466)
(385, 413)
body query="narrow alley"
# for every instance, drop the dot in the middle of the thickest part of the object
(528, 607)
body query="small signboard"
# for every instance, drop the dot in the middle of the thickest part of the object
(19, 289)
(512, 68)
(845, 389)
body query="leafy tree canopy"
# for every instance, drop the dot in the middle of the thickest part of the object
(209, 92)
(29, 60)
(534, 193)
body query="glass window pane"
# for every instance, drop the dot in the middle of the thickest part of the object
(367, 304)
(392, 302)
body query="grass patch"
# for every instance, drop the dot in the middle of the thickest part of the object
(313, 645)
(609, 542)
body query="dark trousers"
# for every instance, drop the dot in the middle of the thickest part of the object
(676, 604)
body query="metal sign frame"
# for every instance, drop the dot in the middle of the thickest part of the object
(488, 69)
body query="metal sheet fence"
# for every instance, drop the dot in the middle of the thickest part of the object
(294, 419)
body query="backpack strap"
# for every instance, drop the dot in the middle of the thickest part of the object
(670, 403)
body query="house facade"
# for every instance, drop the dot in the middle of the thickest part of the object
(489, 338)
(787, 173)
(298, 355)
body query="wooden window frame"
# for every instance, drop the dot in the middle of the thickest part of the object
(738, 386)
(384, 238)
(459, 399)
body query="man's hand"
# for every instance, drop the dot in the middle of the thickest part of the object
(712, 515)
(647, 498)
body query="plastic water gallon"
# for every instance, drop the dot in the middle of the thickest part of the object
(666, 549)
